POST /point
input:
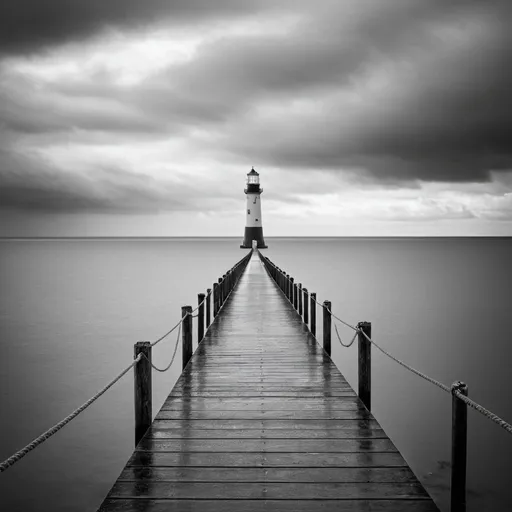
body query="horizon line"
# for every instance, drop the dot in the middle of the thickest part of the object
(135, 237)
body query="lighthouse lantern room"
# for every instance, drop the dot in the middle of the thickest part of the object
(253, 224)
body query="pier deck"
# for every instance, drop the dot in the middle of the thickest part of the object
(262, 420)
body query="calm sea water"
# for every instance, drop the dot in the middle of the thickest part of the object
(70, 312)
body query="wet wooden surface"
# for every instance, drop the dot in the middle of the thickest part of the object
(262, 420)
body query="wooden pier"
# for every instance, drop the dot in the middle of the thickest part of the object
(262, 420)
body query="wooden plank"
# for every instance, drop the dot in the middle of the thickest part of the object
(258, 394)
(296, 475)
(193, 414)
(189, 433)
(265, 505)
(310, 460)
(267, 402)
(261, 387)
(266, 490)
(268, 424)
(267, 445)
(261, 404)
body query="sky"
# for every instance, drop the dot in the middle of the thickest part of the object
(363, 117)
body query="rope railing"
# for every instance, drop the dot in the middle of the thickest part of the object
(10, 461)
(220, 291)
(362, 331)
(484, 411)
(143, 409)
(163, 370)
(206, 298)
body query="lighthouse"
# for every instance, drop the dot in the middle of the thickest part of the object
(253, 224)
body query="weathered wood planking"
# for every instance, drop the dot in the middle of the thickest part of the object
(262, 420)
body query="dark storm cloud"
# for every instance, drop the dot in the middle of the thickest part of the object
(30, 183)
(446, 117)
(442, 113)
(30, 26)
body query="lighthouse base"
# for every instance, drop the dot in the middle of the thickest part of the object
(255, 234)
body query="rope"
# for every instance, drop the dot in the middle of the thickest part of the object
(482, 410)
(162, 370)
(339, 339)
(219, 283)
(169, 332)
(197, 307)
(53, 430)
(410, 368)
(471, 403)
(202, 302)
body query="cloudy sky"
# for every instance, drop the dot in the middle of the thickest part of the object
(363, 117)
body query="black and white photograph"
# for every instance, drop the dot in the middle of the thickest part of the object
(255, 256)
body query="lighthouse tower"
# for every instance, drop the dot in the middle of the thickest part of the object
(253, 225)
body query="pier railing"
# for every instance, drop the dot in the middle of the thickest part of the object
(143, 364)
(305, 303)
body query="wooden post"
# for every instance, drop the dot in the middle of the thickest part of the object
(306, 303)
(292, 288)
(289, 281)
(365, 364)
(200, 317)
(224, 288)
(327, 327)
(300, 299)
(313, 313)
(142, 390)
(295, 296)
(215, 300)
(459, 448)
(208, 306)
(186, 334)
(221, 292)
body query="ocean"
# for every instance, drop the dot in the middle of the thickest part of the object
(71, 311)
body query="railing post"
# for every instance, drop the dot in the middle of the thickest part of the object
(306, 303)
(224, 288)
(142, 390)
(459, 448)
(313, 313)
(295, 297)
(208, 306)
(365, 364)
(200, 317)
(327, 327)
(186, 336)
(219, 294)
(288, 285)
(300, 299)
(215, 299)
(292, 288)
